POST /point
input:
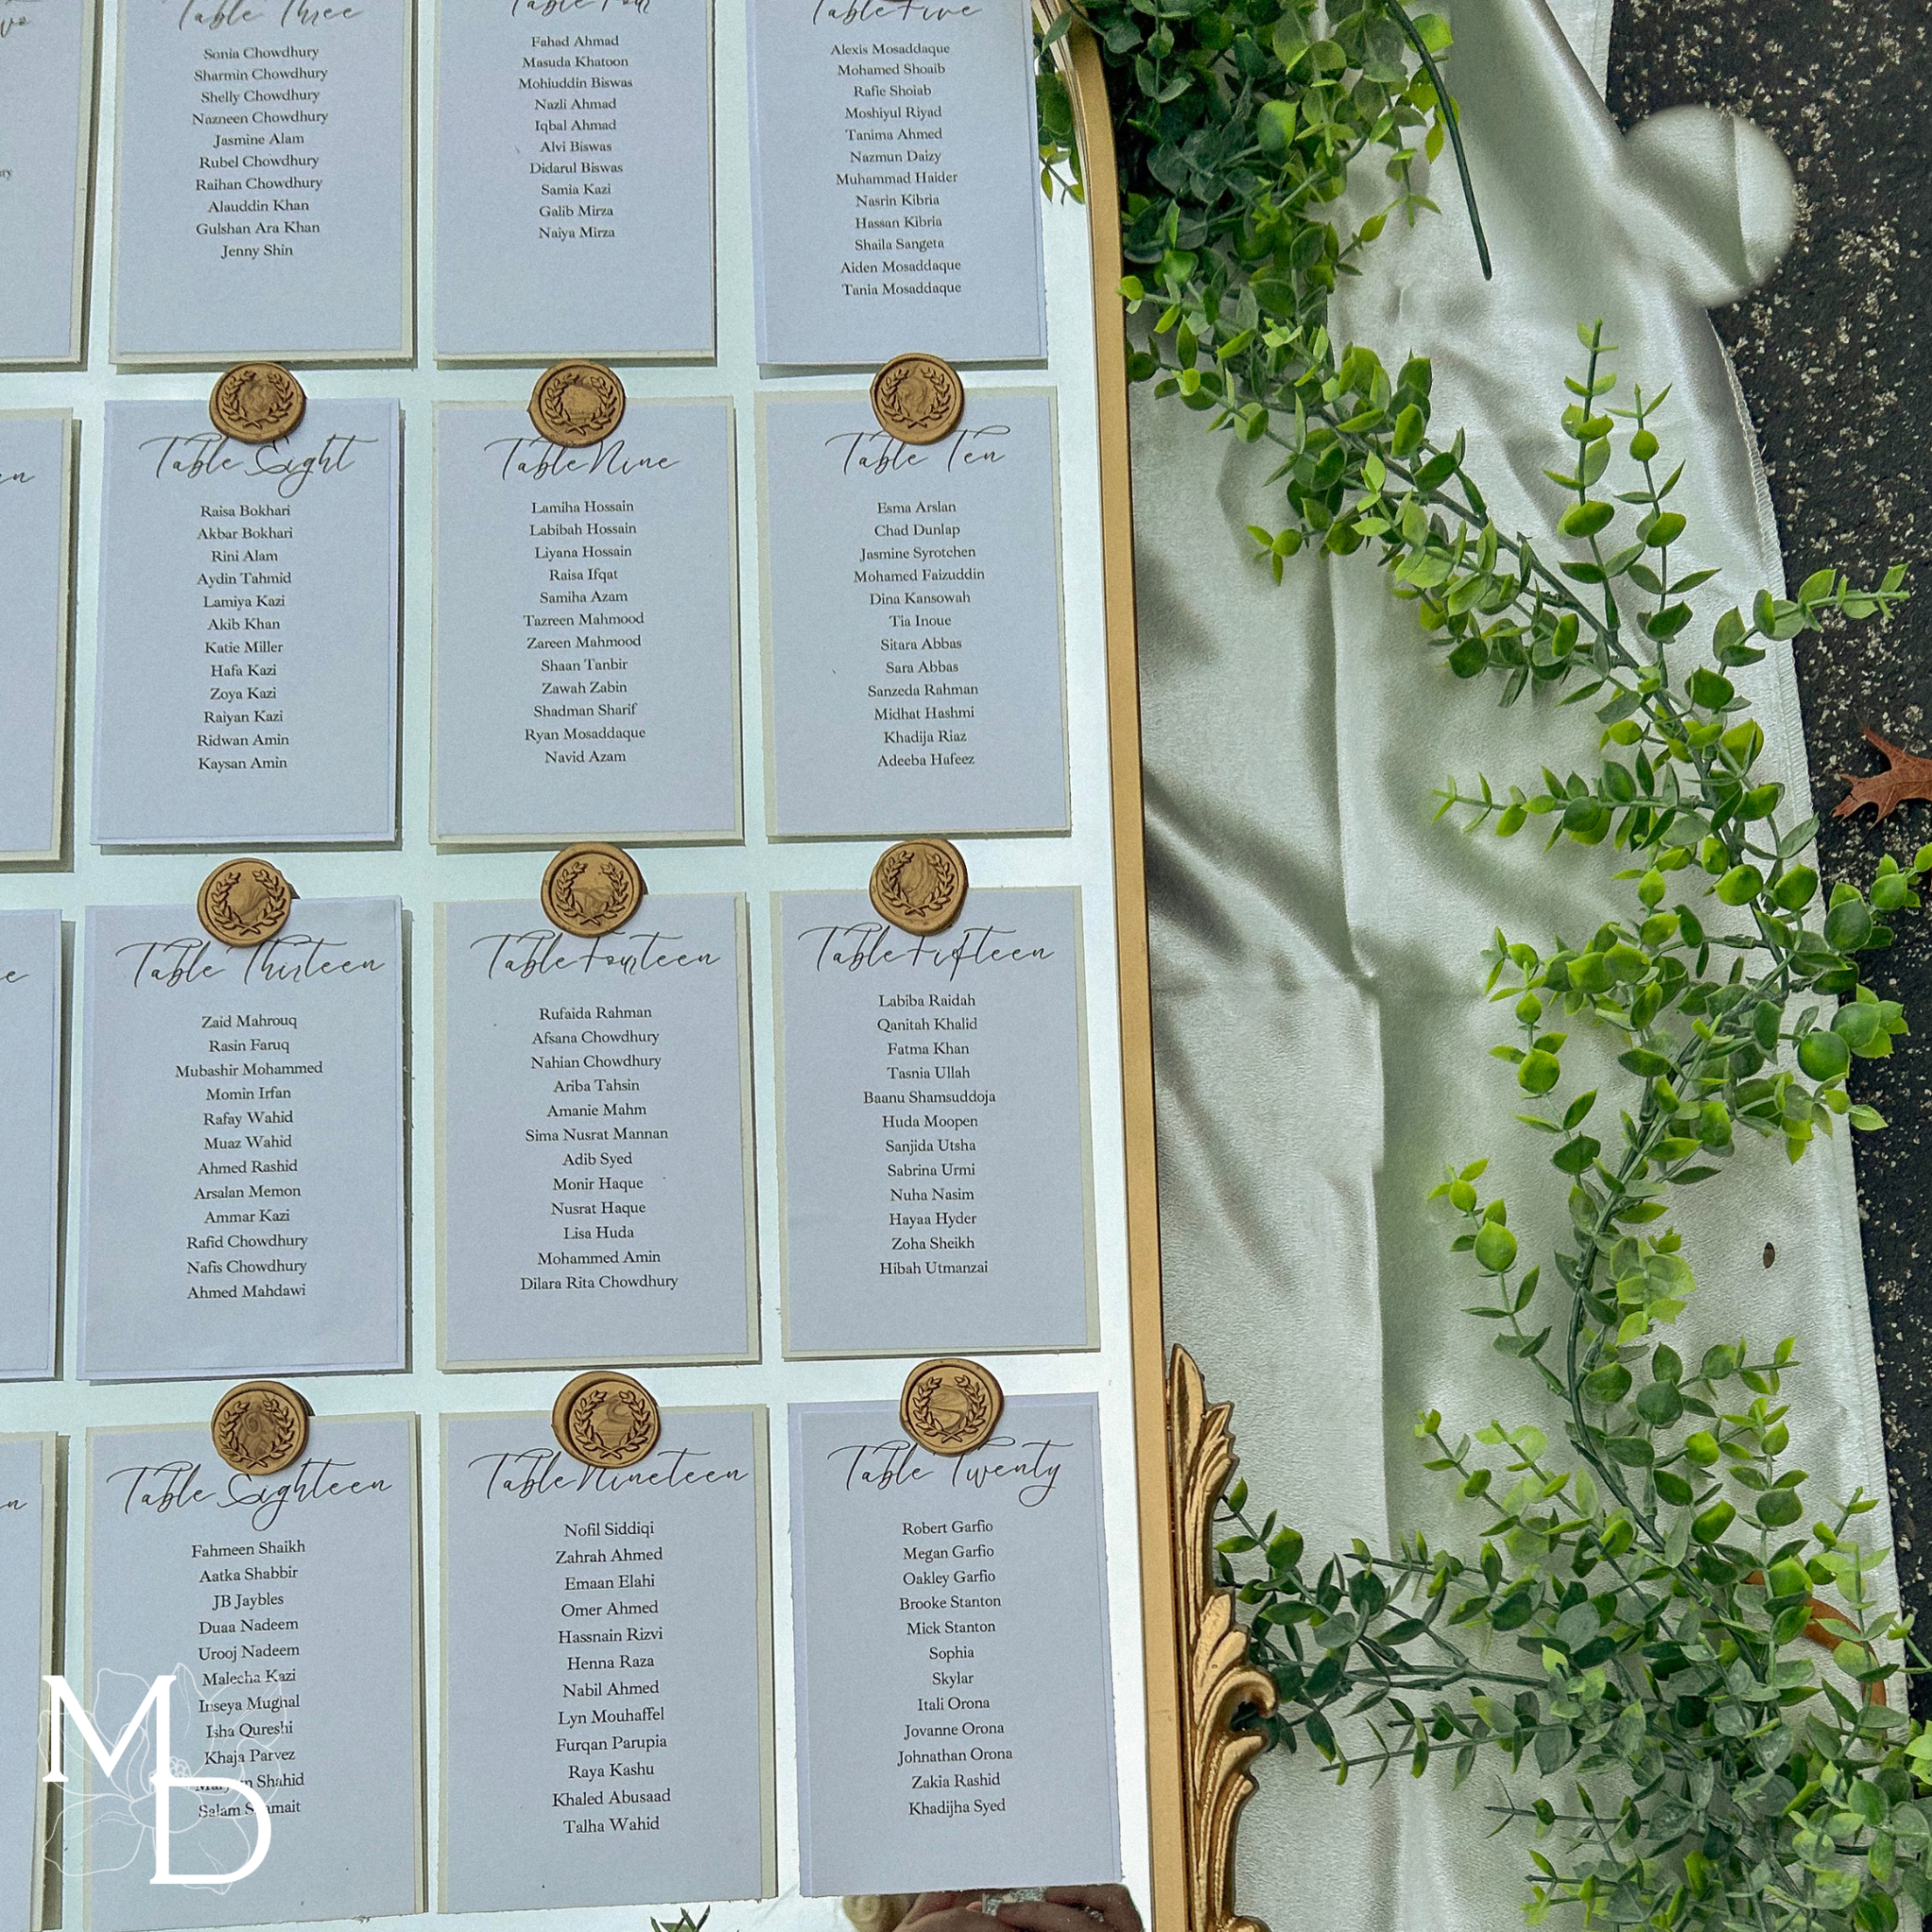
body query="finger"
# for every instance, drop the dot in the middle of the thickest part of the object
(931, 1904)
(1047, 1918)
(1114, 1902)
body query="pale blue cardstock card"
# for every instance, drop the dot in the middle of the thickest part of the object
(286, 1608)
(932, 1111)
(31, 1006)
(264, 182)
(895, 198)
(46, 118)
(914, 668)
(573, 180)
(955, 1682)
(242, 1165)
(26, 1551)
(594, 1156)
(606, 1645)
(586, 629)
(36, 457)
(246, 683)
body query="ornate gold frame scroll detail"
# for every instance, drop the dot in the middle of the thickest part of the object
(1217, 1678)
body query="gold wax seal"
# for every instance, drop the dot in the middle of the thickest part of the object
(591, 888)
(260, 1427)
(244, 902)
(918, 398)
(606, 1418)
(919, 885)
(950, 1406)
(577, 403)
(256, 402)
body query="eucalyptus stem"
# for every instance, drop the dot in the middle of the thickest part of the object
(1454, 121)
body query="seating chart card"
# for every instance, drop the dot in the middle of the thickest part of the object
(26, 1643)
(586, 633)
(246, 681)
(949, 1619)
(607, 1697)
(912, 620)
(36, 488)
(594, 1137)
(46, 119)
(286, 1607)
(32, 1009)
(242, 1181)
(574, 181)
(895, 203)
(262, 182)
(932, 1109)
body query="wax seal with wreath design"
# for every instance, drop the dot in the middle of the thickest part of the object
(261, 1427)
(950, 1406)
(244, 902)
(918, 398)
(576, 404)
(256, 402)
(591, 888)
(606, 1418)
(919, 885)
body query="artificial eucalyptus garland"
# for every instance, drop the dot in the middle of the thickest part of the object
(1642, 1612)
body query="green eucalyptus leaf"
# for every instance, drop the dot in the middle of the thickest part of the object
(1586, 519)
(1710, 1525)
(1848, 926)
(1660, 1406)
(1608, 1384)
(1824, 1055)
(1496, 1248)
(1539, 1071)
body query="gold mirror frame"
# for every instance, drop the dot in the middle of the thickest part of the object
(1194, 1654)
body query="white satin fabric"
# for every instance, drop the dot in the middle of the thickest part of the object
(1322, 1035)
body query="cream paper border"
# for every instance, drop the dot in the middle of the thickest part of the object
(761, 1538)
(507, 842)
(860, 402)
(86, 127)
(747, 1145)
(557, 351)
(1090, 1230)
(56, 1162)
(43, 1867)
(413, 1474)
(79, 1207)
(384, 838)
(63, 636)
(404, 350)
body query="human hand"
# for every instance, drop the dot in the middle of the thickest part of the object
(946, 1912)
(1075, 1909)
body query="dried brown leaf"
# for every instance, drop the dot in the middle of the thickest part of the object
(1906, 778)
